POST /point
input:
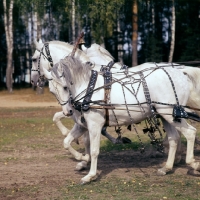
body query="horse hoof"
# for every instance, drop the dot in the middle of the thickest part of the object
(126, 140)
(161, 172)
(83, 182)
(86, 180)
(81, 166)
(195, 166)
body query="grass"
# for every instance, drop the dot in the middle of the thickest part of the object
(34, 124)
(138, 188)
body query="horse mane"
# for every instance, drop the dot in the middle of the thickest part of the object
(74, 71)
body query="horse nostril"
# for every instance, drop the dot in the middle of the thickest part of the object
(71, 112)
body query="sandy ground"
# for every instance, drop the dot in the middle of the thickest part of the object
(14, 101)
(27, 98)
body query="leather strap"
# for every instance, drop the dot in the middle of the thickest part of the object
(89, 91)
(107, 79)
(49, 58)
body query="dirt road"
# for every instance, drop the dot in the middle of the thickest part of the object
(27, 98)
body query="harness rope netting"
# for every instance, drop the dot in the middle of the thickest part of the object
(152, 123)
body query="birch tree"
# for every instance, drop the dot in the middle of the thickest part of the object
(73, 22)
(8, 24)
(172, 33)
(135, 33)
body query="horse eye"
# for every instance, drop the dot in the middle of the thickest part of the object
(65, 88)
(34, 59)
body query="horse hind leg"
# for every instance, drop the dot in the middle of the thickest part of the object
(190, 134)
(173, 136)
(173, 139)
(178, 151)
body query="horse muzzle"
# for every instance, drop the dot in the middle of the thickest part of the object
(34, 84)
(68, 114)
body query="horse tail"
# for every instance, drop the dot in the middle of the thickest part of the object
(193, 74)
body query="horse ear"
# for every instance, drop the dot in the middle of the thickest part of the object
(40, 41)
(83, 47)
(38, 45)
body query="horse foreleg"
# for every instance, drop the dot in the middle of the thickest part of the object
(56, 119)
(75, 133)
(94, 129)
(83, 164)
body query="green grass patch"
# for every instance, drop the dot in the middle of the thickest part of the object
(139, 188)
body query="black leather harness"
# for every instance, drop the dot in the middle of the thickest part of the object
(107, 79)
(89, 91)
(85, 105)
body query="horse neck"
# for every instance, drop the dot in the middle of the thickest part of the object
(100, 59)
(60, 51)
(79, 89)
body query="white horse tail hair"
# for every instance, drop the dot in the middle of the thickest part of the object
(193, 74)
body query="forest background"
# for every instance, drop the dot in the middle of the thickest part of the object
(133, 31)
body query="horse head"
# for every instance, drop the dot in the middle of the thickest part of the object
(47, 54)
(37, 72)
(60, 88)
(71, 77)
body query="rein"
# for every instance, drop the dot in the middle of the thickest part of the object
(110, 83)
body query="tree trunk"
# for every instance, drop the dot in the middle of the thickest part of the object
(8, 24)
(135, 33)
(171, 53)
(153, 18)
(39, 90)
(39, 27)
(73, 22)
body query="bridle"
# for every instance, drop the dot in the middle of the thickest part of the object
(42, 77)
(47, 56)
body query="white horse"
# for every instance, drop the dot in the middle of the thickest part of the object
(43, 59)
(133, 97)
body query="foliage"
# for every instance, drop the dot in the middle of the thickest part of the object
(104, 22)
(152, 50)
(101, 15)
